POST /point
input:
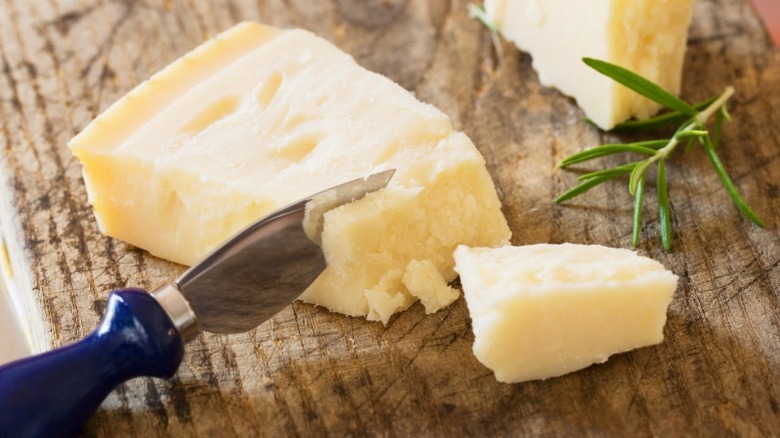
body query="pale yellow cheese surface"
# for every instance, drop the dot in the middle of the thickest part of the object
(258, 118)
(545, 310)
(644, 36)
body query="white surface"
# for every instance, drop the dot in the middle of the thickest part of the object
(12, 343)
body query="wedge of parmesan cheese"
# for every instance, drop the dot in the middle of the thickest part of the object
(541, 311)
(258, 118)
(645, 36)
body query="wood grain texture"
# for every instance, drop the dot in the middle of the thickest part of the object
(310, 372)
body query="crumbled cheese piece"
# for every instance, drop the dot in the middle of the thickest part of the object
(425, 282)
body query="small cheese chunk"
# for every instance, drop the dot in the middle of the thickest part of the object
(425, 282)
(387, 297)
(541, 311)
(644, 36)
(260, 117)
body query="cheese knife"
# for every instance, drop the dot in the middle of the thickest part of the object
(238, 286)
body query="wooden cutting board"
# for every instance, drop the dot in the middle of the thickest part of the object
(310, 372)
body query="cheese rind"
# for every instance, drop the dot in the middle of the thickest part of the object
(260, 117)
(644, 36)
(542, 311)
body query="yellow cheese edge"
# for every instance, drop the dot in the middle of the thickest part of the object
(165, 86)
(644, 49)
(168, 84)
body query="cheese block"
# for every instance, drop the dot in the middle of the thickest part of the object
(541, 311)
(645, 36)
(260, 117)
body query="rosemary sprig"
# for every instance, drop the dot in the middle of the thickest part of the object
(692, 120)
(478, 12)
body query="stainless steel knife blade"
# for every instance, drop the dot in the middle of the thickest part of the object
(261, 269)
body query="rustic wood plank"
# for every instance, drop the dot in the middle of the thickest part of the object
(310, 372)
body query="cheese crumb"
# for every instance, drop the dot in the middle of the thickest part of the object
(542, 311)
(425, 282)
(387, 298)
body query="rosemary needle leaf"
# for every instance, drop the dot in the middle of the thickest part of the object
(638, 198)
(616, 171)
(642, 147)
(693, 133)
(641, 85)
(637, 174)
(717, 127)
(664, 209)
(689, 145)
(729, 185)
(665, 119)
(583, 187)
(725, 112)
(652, 144)
(477, 12)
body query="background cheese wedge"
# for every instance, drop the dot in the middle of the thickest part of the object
(644, 36)
(545, 310)
(260, 117)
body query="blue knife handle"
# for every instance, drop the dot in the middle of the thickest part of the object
(55, 393)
